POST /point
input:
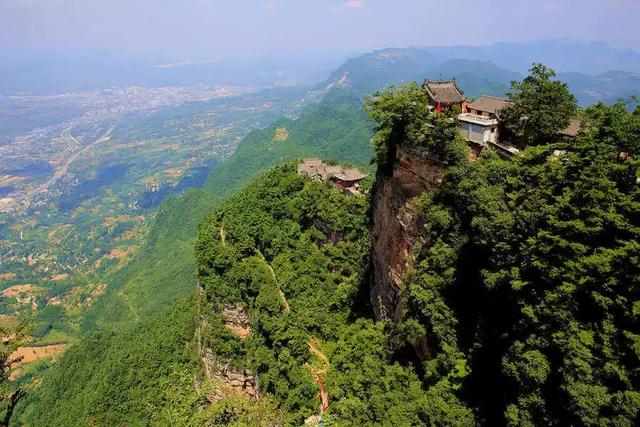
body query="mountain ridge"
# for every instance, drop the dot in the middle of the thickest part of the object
(336, 128)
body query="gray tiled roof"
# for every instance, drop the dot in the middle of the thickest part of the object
(444, 91)
(573, 128)
(490, 104)
(317, 169)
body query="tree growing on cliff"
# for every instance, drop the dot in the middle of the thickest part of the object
(397, 112)
(402, 115)
(541, 107)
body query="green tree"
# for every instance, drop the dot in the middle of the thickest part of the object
(541, 107)
(614, 125)
(402, 116)
(12, 339)
(399, 113)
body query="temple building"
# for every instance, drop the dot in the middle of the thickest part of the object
(444, 94)
(346, 179)
(571, 131)
(479, 124)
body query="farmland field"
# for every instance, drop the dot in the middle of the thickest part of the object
(78, 188)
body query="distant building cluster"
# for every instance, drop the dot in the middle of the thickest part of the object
(479, 121)
(347, 179)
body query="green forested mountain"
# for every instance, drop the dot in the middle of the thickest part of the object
(335, 128)
(374, 70)
(263, 251)
(149, 286)
(518, 308)
(140, 374)
(477, 72)
(534, 265)
(523, 287)
(522, 281)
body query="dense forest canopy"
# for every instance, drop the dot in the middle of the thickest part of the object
(524, 284)
(264, 251)
(529, 274)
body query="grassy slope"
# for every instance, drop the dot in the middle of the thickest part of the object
(163, 273)
(141, 374)
(337, 128)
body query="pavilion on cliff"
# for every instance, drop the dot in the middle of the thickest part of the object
(444, 94)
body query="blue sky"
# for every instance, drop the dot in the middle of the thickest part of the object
(216, 29)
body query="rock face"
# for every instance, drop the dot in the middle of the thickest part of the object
(237, 321)
(395, 225)
(227, 381)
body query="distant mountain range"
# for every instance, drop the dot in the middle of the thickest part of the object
(475, 76)
(561, 55)
(594, 70)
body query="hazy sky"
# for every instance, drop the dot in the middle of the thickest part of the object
(216, 29)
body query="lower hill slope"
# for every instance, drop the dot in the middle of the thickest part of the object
(336, 128)
(289, 254)
(518, 276)
(149, 286)
(141, 374)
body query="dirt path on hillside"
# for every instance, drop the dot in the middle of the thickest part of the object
(285, 303)
(318, 373)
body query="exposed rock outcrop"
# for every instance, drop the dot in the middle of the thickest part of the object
(395, 224)
(227, 381)
(237, 321)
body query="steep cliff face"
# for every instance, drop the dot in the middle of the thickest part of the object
(396, 228)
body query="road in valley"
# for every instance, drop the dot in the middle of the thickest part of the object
(60, 172)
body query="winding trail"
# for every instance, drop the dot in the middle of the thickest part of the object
(315, 349)
(285, 303)
(319, 373)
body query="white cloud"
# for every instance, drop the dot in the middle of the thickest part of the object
(350, 4)
(354, 4)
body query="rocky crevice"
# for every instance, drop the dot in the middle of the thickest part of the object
(396, 227)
